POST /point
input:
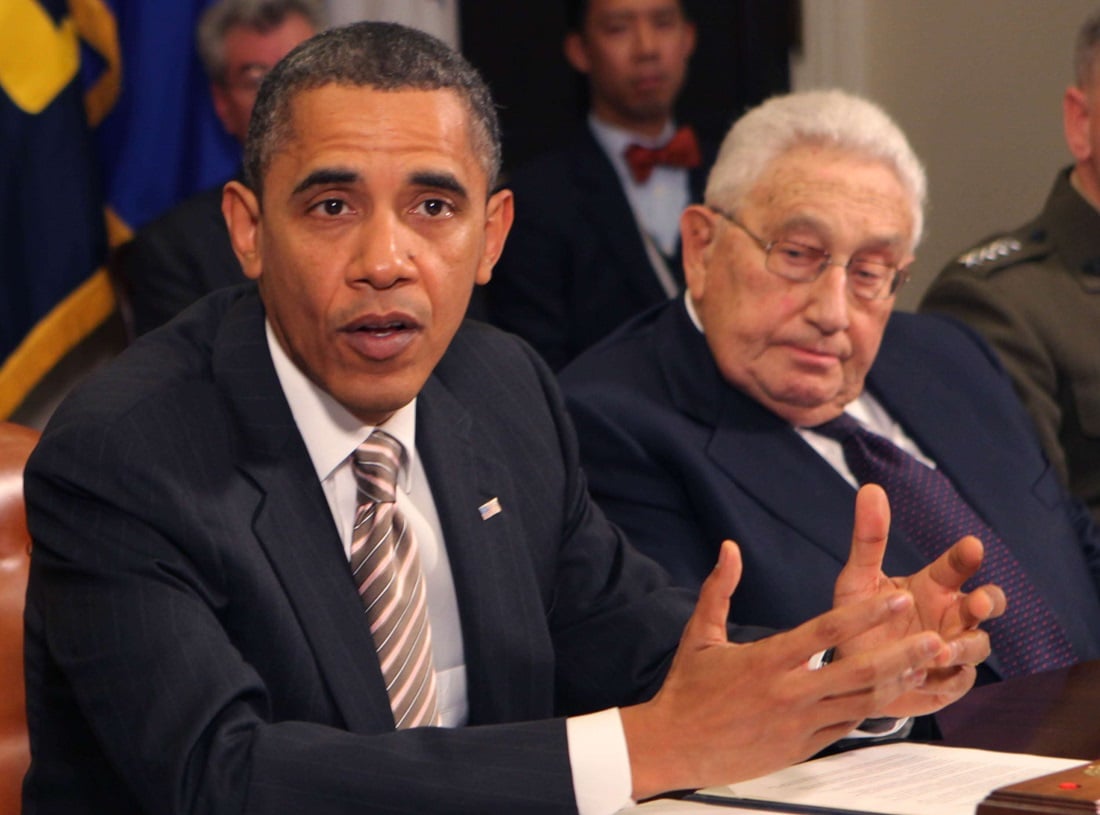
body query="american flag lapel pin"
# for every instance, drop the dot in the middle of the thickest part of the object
(489, 509)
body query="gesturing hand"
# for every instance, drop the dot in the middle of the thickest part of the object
(729, 711)
(940, 605)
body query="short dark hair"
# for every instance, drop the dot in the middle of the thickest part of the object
(258, 15)
(575, 11)
(383, 56)
(1088, 46)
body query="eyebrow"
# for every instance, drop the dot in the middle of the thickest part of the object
(812, 224)
(440, 181)
(324, 177)
(335, 175)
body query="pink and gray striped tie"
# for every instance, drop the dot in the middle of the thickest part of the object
(387, 571)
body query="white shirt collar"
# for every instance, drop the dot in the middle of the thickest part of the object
(614, 141)
(330, 431)
(617, 139)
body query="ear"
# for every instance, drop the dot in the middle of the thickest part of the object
(499, 213)
(1075, 121)
(575, 52)
(697, 234)
(241, 211)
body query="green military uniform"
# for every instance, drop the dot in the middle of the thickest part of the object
(1035, 295)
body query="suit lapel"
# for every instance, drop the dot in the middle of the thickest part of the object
(293, 523)
(608, 210)
(503, 620)
(761, 453)
(754, 447)
(926, 406)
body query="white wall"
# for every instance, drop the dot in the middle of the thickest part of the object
(977, 87)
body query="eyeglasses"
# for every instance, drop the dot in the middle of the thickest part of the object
(248, 78)
(791, 260)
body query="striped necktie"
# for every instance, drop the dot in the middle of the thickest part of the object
(927, 508)
(387, 571)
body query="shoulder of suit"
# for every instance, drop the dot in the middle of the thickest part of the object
(557, 163)
(1028, 244)
(203, 209)
(480, 354)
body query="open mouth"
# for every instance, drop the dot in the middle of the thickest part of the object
(382, 338)
(383, 329)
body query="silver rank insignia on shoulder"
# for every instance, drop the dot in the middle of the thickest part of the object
(999, 248)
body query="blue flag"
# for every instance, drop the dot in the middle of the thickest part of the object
(162, 141)
(105, 119)
(51, 218)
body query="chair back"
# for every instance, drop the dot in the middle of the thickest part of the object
(16, 443)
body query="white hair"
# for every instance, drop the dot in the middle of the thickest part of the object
(831, 118)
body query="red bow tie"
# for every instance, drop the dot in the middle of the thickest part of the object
(682, 150)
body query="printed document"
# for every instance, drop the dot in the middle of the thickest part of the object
(891, 779)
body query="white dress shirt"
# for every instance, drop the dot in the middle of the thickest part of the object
(658, 202)
(597, 745)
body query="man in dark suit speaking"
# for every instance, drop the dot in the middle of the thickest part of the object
(321, 547)
(754, 407)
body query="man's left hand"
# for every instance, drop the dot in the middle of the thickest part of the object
(940, 605)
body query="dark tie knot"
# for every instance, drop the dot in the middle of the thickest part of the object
(838, 429)
(377, 462)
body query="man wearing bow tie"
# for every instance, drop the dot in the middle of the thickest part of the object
(596, 238)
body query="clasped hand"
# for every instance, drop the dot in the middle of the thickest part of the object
(727, 711)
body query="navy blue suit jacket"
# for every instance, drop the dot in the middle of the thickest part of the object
(682, 460)
(575, 265)
(194, 638)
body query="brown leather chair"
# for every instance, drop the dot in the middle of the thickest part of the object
(16, 443)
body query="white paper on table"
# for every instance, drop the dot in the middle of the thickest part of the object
(670, 806)
(903, 778)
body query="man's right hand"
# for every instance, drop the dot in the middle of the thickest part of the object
(727, 711)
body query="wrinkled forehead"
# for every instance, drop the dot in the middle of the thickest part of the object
(828, 188)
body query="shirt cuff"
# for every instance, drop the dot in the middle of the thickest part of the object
(881, 728)
(869, 728)
(600, 762)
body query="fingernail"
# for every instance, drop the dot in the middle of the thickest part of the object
(914, 677)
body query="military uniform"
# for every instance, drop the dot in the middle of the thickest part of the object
(1035, 295)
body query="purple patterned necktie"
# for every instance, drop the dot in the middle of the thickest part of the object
(387, 571)
(929, 510)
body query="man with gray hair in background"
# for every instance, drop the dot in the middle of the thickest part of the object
(1034, 292)
(185, 252)
(755, 407)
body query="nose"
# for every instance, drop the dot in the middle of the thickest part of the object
(645, 39)
(385, 252)
(827, 307)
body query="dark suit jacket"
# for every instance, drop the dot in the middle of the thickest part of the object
(575, 265)
(195, 641)
(681, 460)
(176, 259)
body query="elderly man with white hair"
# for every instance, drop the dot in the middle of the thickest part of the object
(756, 406)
